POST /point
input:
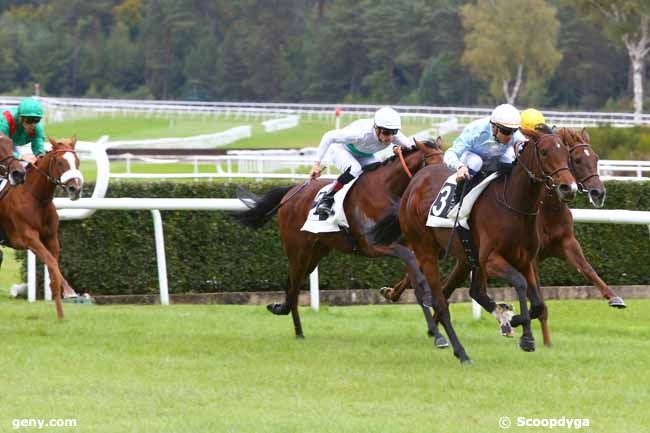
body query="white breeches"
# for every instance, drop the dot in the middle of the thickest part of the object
(472, 161)
(342, 159)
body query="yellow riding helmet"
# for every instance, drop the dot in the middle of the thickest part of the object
(530, 118)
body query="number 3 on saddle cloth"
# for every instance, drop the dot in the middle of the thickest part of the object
(442, 214)
(337, 220)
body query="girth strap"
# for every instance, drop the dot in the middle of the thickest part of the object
(466, 241)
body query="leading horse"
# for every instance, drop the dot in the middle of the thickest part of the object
(503, 227)
(554, 227)
(369, 199)
(28, 217)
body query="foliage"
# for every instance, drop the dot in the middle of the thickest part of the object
(207, 251)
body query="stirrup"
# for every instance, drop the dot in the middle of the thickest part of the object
(324, 207)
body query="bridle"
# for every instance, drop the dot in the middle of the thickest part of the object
(580, 182)
(4, 166)
(546, 178)
(425, 157)
(66, 176)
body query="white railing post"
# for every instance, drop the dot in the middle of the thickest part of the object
(314, 294)
(47, 288)
(160, 256)
(31, 276)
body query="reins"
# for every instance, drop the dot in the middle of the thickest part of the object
(403, 161)
(580, 182)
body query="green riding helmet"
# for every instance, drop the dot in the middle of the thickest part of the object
(30, 107)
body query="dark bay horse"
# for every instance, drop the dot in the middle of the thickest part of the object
(28, 217)
(503, 227)
(372, 196)
(554, 227)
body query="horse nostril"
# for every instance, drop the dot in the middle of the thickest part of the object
(596, 193)
(565, 188)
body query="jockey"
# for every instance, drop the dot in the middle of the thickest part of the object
(486, 144)
(21, 125)
(353, 147)
(532, 119)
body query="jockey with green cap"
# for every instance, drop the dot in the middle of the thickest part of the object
(22, 126)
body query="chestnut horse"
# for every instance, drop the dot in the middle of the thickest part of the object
(503, 227)
(10, 168)
(371, 197)
(28, 217)
(554, 227)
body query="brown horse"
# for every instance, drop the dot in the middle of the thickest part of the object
(554, 227)
(28, 217)
(10, 168)
(373, 195)
(503, 227)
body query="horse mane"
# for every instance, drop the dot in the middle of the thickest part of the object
(570, 137)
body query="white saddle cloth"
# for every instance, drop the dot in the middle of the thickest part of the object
(441, 216)
(337, 220)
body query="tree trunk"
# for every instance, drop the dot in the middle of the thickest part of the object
(638, 50)
(637, 79)
(511, 96)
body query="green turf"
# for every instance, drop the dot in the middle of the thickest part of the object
(360, 369)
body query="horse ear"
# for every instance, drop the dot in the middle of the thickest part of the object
(439, 142)
(73, 141)
(52, 140)
(585, 135)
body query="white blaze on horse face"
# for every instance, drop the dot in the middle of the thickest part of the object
(587, 152)
(72, 172)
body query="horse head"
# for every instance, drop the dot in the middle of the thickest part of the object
(10, 168)
(62, 166)
(584, 165)
(547, 161)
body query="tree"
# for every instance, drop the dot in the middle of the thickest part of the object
(520, 46)
(624, 21)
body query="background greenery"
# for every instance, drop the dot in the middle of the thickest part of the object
(406, 51)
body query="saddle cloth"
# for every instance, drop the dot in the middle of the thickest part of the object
(337, 220)
(440, 215)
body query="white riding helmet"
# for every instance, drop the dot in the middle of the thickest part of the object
(387, 118)
(506, 115)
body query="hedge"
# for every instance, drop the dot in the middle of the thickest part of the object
(113, 252)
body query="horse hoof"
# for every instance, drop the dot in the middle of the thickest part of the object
(617, 302)
(300, 337)
(466, 362)
(527, 344)
(386, 292)
(507, 331)
(441, 342)
(278, 309)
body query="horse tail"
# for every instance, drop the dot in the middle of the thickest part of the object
(260, 209)
(387, 230)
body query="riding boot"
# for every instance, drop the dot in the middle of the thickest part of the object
(324, 206)
(457, 193)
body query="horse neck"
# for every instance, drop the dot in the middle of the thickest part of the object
(521, 192)
(396, 179)
(38, 184)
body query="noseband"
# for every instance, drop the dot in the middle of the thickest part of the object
(546, 178)
(4, 166)
(69, 174)
(580, 182)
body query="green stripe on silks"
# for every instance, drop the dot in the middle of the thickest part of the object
(356, 152)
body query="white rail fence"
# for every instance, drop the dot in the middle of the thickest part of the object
(59, 109)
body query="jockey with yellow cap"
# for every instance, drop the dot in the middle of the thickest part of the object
(532, 119)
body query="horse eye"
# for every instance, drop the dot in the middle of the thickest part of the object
(543, 153)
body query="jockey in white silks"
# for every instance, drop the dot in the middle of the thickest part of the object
(353, 147)
(485, 144)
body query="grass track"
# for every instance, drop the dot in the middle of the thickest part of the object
(360, 369)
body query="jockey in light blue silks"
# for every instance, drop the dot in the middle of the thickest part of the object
(353, 147)
(485, 144)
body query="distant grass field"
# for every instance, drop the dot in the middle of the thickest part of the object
(217, 368)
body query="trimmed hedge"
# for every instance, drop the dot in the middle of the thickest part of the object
(113, 252)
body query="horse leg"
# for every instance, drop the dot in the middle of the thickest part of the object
(54, 247)
(394, 293)
(33, 243)
(573, 255)
(498, 267)
(538, 308)
(429, 264)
